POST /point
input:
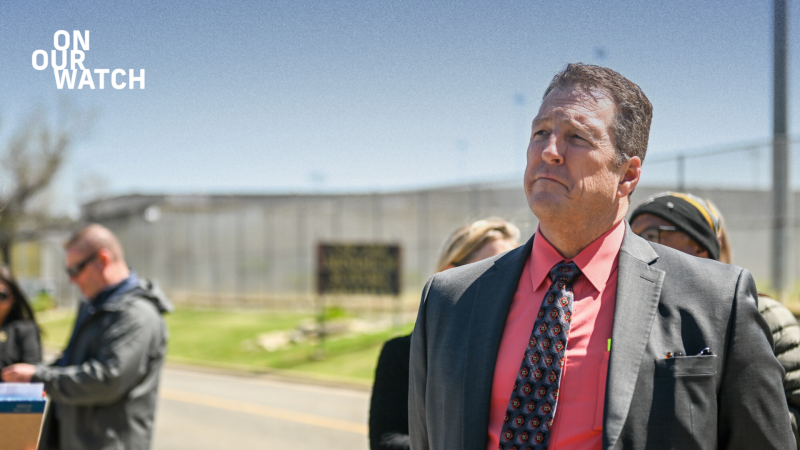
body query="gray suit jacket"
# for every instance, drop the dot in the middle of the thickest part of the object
(666, 302)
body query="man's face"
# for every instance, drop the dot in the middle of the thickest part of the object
(491, 248)
(90, 277)
(571, 171)
(660, 231)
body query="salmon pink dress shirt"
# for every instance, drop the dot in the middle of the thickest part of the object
(578, 423)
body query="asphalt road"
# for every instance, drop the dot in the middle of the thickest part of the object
(199, 411)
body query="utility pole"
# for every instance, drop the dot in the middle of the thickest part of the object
(781, 188)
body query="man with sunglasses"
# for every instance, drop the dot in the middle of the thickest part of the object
(104, 386)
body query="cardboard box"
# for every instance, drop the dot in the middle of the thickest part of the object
(20, 418)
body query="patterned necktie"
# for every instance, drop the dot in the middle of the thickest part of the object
(532, 407)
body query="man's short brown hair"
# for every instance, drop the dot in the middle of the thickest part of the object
(634, 112)
(93, 237)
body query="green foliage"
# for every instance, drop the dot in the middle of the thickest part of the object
(216, 335)
(336, 312)
(354, 357)
(228, 339)
(56, 327)
(42, 302)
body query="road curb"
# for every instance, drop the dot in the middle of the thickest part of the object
(289, 376)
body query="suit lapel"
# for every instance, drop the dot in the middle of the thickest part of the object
(638, 292)
(493, 296)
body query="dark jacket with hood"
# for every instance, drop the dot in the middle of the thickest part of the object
(103, 390)
(786, 336)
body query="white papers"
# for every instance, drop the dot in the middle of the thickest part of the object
(22, 391)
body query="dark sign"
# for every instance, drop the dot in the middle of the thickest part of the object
(358, 269)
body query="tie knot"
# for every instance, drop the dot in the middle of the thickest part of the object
(568, 270)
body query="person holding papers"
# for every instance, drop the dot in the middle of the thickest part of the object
(104, 387)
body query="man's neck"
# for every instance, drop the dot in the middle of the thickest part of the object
(570, 241)
(112, 282)
(116, 274)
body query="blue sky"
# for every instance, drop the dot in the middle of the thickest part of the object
(254, 96)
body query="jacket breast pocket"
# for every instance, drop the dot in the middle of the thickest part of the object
(684, 402)
(687, 366)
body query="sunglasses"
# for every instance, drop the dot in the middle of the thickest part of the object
(75, 270)
(657, 234)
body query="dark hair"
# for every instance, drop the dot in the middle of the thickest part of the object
(634, 112)
(21, 309)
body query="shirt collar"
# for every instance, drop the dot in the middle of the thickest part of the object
(597, 261)
(108, 293)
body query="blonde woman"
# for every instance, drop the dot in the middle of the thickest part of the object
(388, 418)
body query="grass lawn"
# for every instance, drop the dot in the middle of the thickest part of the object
(227, 339)
(56, 327)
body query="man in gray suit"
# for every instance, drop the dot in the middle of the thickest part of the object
(589, 336)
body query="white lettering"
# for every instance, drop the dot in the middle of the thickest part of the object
(73, 47)
(86, 78)
(114, 79)
(133, 79)
(102, 73)
(53, 60)
(76, 37)
(65, 76)
(33, 60)
(75, 60)
(66, 39)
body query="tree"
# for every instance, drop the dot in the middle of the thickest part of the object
(30, 160)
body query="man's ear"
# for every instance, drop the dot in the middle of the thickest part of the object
(105, 256)
(629, 177)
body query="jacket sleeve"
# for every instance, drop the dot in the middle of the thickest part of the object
(417, 378)
(30, 346)
(786, 336)
(120, 363)
(749, 413)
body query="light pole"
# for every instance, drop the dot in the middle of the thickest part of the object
(781, 188)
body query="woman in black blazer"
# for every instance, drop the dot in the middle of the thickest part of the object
(19, 334)
(388, 412)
